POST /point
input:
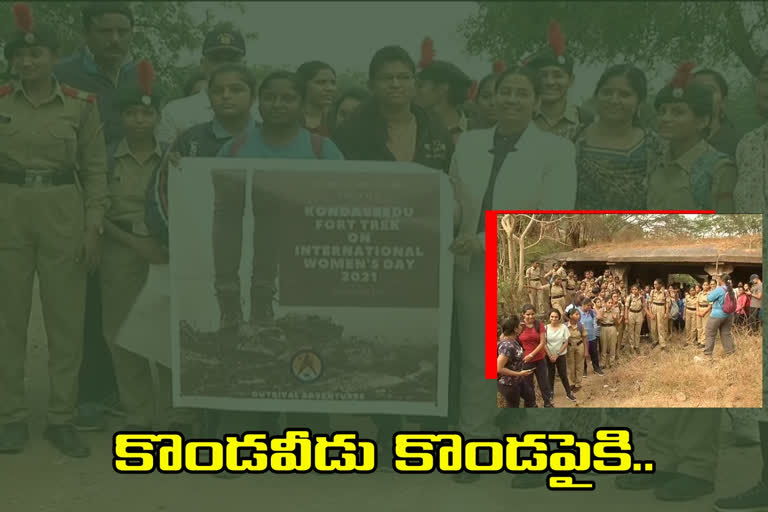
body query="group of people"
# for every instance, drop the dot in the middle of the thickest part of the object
(591, 318)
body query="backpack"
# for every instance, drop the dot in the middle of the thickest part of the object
(674, 311)
(729, 303)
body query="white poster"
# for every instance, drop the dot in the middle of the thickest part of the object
(310, 286)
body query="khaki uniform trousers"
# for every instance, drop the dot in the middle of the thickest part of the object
(536, 296)
(608, 337)
(691, 326)
(574, 359)
(559, 304)
(701, 326)
(658, 325)
(122, 274)
(41, 232)
(620, 335)
(634, 325)
(686, 441)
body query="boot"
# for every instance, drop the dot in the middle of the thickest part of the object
(231, 312)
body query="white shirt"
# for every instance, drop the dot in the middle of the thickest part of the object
(540, 175)
(182, 114)
(557, 340)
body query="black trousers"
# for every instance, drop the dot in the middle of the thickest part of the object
(593, 346)
(542, 378)
(513, 392)
(562, 370)
(97, 382)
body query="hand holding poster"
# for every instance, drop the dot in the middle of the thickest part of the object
(347, 306)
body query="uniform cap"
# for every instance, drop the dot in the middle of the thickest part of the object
(28, 33)
(224, 39)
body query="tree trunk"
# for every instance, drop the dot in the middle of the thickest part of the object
(740, 41)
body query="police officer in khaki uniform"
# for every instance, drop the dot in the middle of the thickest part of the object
(533, 280)
(634, 311)
(557, 295)
(576, 355)
(571, 287)
(691, 174)
(52, 202)
(658, 313)
(609, 317)
(125, 263)
(703, 310)
(691, 328)
(619, 303)
(561, 272)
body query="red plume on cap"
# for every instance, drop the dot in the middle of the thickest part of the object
(499, 66)
(556, 38)
(146, 75)
(683, 75)
(23, 17)
(427, 52)
(472, 91)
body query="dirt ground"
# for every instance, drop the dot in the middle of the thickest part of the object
(677, 377)
(41, 480)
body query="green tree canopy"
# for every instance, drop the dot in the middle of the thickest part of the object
(163, 30)
(644, 32)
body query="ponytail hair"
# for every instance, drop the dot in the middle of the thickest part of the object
(726, 278)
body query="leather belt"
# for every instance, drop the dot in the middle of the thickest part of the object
(606, 325)
(691, 309)
(557, 296)
(660, 303)
(31, 177)
(575, 344)
(636, 310)
(570, 289)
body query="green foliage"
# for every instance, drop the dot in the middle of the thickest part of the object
(647, 33)
(163, 31)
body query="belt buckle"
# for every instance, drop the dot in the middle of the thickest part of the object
(35, 178)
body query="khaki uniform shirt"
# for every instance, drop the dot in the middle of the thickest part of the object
(63, 133)
(568, 126)
(562, 273)
(635, 304)
(128, 186)
(702, 301)
(611, 316)
(557, 292)
(574, 334)
(659, 298)
(534, 276)
(669, 182)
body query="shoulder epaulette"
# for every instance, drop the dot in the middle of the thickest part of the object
(77, 93)
(5, 90)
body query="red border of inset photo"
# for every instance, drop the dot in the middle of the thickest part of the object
(491, 264)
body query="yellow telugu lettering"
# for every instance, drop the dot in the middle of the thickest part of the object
(255, 442)
(292, 452)
(414, 453)
(612, 450)
(134, 453)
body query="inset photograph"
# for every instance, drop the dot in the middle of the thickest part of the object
(629, 310)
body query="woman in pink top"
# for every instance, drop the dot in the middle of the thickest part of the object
(742, 305)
